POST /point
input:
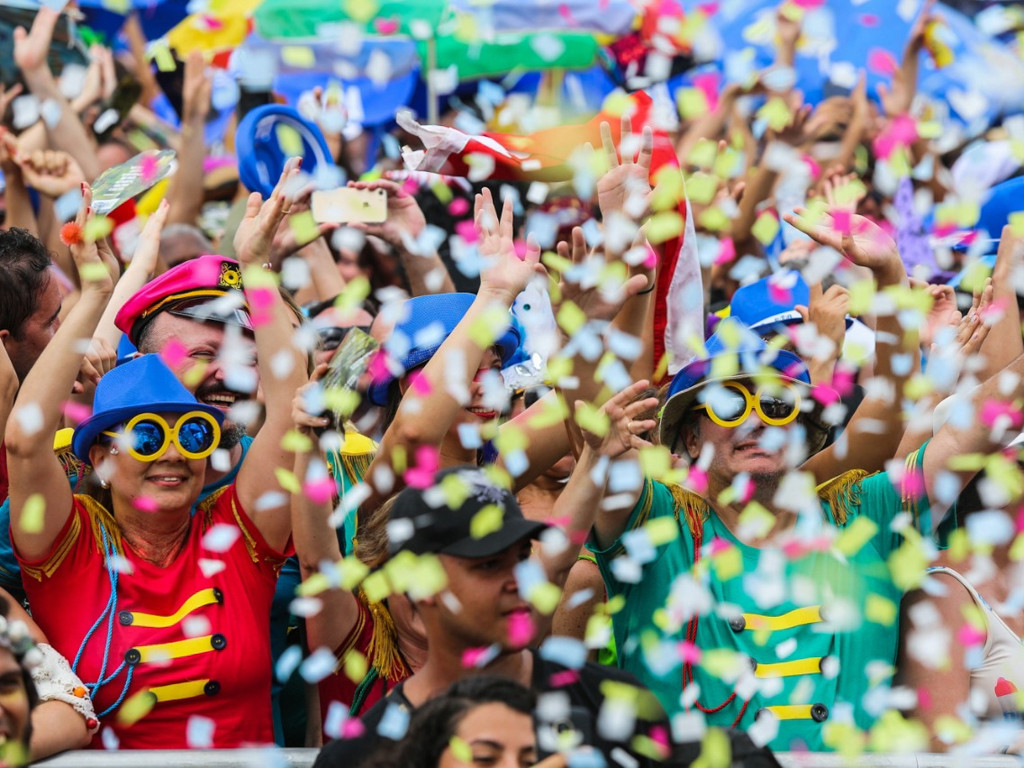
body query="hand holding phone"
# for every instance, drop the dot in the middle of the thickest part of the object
(347, 205)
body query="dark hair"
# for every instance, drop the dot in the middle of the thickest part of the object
(24, 262)
(26, 676)
(433, 725)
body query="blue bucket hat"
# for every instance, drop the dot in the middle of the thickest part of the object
(770, 300)
(735, 352)
(260, 156)
(428, 321)
(142, 385)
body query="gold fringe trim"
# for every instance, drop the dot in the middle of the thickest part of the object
(98, 515)
(842, 493)
(382, 651)
(694, 508)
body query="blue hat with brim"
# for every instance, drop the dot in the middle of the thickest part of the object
(771, 301)
(258, 146)
(428, 321)
(736, 352)
(142, 385)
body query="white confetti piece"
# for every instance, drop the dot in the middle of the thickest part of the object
(196, 626)
(567, 651)
(288, 662)
(394, 722)
(318, 665)
(26, 112)
(29, 418)
(199, 732)
(210, 568)
(305, 607)
(109, 739)
(107, 119)
(51, 112)
(221, 537)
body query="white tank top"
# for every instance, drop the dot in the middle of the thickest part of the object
(1001, 673)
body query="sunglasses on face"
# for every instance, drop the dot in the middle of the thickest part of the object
(729, 404)
(331, 338)
(147, 436)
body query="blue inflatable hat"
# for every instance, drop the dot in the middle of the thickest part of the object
(258, 144)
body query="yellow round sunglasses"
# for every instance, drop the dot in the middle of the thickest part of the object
(729, 404)
(147, 436)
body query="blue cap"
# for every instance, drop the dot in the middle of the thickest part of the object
(428, 321)
(748, 356)
(142, 385)
(770, 300)
(1005, 198)
(260, 157)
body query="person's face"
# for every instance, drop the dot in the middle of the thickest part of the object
(498, 737)
(14, 712)
(740, 449)
(490, 609)
(36, 331)
(215, 364)
(348, 265)
(340, 320)
(170, 482)
(478, 410)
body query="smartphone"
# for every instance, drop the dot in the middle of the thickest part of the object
(342, 382)
(345, 205)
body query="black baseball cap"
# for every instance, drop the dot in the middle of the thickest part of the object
(463, 513)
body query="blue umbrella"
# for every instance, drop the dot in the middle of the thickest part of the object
(842, 36)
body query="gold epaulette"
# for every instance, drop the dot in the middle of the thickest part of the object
(69, 462)
(382, 651)
(694, 508)
(842, 492)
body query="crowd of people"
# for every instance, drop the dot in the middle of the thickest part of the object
(647, 440)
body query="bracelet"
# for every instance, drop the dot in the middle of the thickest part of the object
(647, 290)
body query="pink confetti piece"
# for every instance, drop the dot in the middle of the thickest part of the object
(841, 221)
(564, 678)
(659, 735)
(912, 483)
(427, 462)
(843, 380)
(173, 353)
(995, 411)
(812, 166)
(651, 260)
(868, 20)
(1020, 519)
(824, 395)
(924, 698)
(808, 3)
(881, 62)
(467, 231)
(148, 167)
(780, 294)
(458, 207)
(260, 301)
(727, 252)
(319, 491)
(697, 480)
(386, 26)
(969, 635)
(145, 504)
(419, 384)
(718, 545)
(520, 629)
(77, 412)
(475, 658)
(688, 652)
(352, 728)
(708, 84)
(566, 14)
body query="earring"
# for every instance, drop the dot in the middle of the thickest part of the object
(104, 483)
(114, 452)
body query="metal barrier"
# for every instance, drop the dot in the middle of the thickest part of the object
(303, 758)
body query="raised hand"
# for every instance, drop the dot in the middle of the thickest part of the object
(625, 426)
(405, 221)
(147, 250)
(97, 266)
(307, 405)
(32, 47)
(503, 270)
(195, 90)
(944, 312)
(598, 290)
(626, 187)
(863, 242)
(51, 172)
(254, 237)
(100, 358)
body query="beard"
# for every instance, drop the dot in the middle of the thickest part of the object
(231, 434)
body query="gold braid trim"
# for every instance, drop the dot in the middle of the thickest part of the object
(912, 464)
(695, 509)
(382, 651)
(841, 493)
(99, 515)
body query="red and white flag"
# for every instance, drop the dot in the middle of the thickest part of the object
(544, 156)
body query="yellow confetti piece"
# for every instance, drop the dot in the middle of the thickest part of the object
(296, 442)
(918, 387)
(701, 187)
(669, 189)
(511, 439)
(728, 563)
(93, 273)
(616, 103)
(662, 530)
(289, 140)
(313, 586)
(907, 563)
(728, 164)
(845, 738)
(892, 732)
(1016, 222)
(655, 460)
(488, 520)
(855, 535)
(713, 219)
(351, 570)
(97, 228)
(692, 103)
(765, 228)
(299, 56)
(1017, 549)
(929, 129)
(721, 662)
(880, 610)
(966, 462)
(354, 294)
(776, 113)
(461, 751)
(135, 707)
(571, 318)
(545, 598)
(355, 665)
(489, 326)
(304, 227)
(466, 28)
(287, 480)
(376, 587)
(952, 729)
(1006, 474)
(715, 750)
(703, 154)
(343, 401)
(862, 297)
(427, 578)
(664, 226)
(599, 630)
(161, 54)
(593, 419)
(33, 513)
(553, 410)
(757, 519)
(361, 10)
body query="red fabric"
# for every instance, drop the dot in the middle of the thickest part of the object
(543, 156)
(337, 688)
(70, 587)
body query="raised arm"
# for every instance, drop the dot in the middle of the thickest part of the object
(282, 366)
(39, 491)
(862, 446)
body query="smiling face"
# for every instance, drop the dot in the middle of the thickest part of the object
(217, 364)
(169, 483)
(478, 410)
(497, 736)
(14, 712)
